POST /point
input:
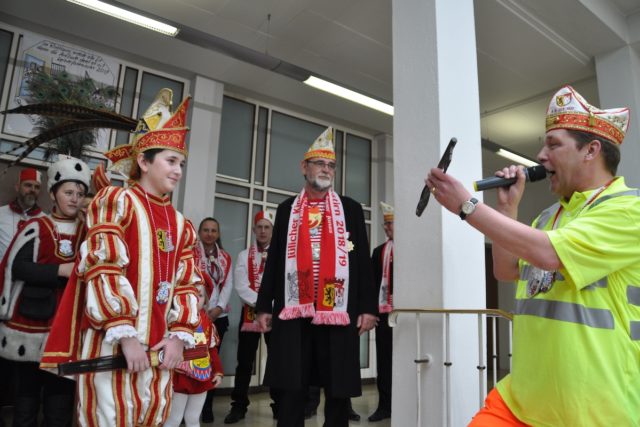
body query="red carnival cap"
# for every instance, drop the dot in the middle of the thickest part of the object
(30, 174)
(263, 215)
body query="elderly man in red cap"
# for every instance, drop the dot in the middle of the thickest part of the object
(318, 290)
(24, 207)
(246, 279)
(576, 326)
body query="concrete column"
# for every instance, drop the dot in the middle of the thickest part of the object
(200, 176)
(439, 259)
(618, 74)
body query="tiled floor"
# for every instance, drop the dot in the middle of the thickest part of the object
(259, 414)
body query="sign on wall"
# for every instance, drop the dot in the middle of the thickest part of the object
(58, 60)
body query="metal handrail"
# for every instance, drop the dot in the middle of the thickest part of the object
(420, 359)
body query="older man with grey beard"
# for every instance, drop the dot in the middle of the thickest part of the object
(24, 207)
(318, 291)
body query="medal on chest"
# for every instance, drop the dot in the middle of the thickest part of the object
(65, 248)
(539, 281)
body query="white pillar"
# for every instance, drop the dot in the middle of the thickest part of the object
(204, 140)
(439, 259)
(618, 74)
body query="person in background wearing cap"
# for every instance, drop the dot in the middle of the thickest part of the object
(247, 277)
(135, 285)
(382, 260)
(318, 291)
(576, 334)
(22, 208)
(33, 276)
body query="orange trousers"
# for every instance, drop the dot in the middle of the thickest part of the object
(495, 413)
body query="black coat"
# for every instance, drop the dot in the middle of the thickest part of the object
(284, 360)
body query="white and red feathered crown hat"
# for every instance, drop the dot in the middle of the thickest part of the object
(387, 211)
(569, 110)
(158, 128)
(322, 147)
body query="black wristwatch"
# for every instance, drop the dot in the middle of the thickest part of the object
(468, 207)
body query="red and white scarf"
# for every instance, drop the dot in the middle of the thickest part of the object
(255, 266)
(385, 297)
(331, 300)
(217, 267)
(26, 215)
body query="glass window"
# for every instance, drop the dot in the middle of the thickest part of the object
(278, 198)
(236, 138)
(258, 195)
(290, 139)
(233, 190)
(127, 99)
(261, 145)
(5, 52)
(232, 217)
(151, 85)
(358, 169)
(339, 137)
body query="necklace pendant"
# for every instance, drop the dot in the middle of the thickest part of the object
(65, 247)
(168, 245)
(162, 297)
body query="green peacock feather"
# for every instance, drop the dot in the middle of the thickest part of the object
(71, 110)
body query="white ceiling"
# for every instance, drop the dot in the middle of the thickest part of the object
(526, 50)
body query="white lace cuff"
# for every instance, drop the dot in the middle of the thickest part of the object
(115, 333)
(187, 338)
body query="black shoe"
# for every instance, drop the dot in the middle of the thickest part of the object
(379, 415)
(308, 413)
(234, 416)
(353, 415)
(207, 415)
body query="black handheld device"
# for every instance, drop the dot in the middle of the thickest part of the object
(443, 164)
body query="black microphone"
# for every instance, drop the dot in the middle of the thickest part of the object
(532, 174)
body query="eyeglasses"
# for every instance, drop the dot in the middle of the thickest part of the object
(320, 164)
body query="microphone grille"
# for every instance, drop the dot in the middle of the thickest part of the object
(536, 173)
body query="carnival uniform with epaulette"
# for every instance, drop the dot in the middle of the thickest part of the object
(52, 240)
(136, 278)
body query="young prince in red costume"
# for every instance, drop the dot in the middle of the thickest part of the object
(135, 285)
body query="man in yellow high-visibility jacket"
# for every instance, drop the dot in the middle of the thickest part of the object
(576, 348)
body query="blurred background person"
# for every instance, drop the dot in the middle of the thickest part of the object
(193, 378)
(382, 260)
(22, 208)
(216, 264)
(33, 276)
(247, 278)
